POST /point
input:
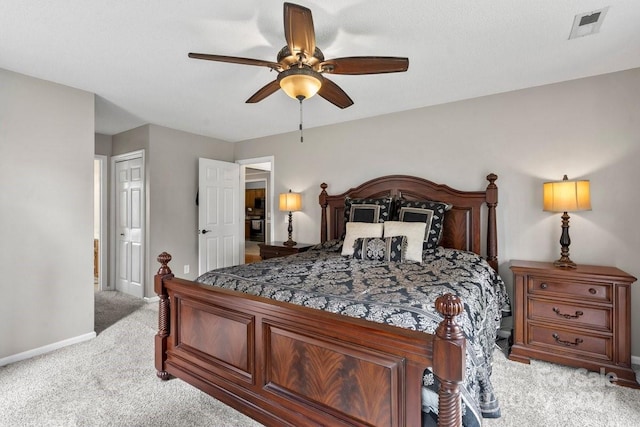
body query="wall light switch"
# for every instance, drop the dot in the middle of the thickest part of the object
(186, 269)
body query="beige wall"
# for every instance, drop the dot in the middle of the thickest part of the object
(173, 163)
(131, 140)
(103, 144)
(587, 128)
(46, 211)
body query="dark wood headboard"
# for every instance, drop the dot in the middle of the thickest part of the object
(462, 225)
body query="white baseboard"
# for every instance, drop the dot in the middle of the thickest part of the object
(46, 349)
(635, 360)
(504, 333)
(149, 300)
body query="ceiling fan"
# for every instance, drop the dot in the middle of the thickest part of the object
(301, 65)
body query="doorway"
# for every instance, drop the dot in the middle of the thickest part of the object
(255, 232)
(99, 222)
(257, 180)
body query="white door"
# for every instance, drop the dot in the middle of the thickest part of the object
(218, 214)
(129, 221)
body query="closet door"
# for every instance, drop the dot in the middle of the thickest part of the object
(129, 221)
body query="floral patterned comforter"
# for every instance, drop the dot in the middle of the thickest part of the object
(399, 294)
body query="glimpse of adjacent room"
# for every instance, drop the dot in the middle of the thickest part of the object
(256, 212)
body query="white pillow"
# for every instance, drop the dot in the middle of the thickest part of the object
(415, 235)
(361, 229)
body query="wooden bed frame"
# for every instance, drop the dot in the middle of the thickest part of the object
(286, 365)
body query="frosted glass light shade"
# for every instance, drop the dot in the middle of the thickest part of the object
(300, 83)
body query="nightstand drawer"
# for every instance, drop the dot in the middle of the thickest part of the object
(570, 314)
(574, 289)
(575, 342)
(276, 252)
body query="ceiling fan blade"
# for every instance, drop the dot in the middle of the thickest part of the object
(236, 60)
(334, 94)
(265, 91)
(365, 65)
(298, 30)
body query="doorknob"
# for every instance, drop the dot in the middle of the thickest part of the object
(205, 231)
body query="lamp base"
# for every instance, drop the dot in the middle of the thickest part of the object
(290, 242)
(564, 262)
(565, 241)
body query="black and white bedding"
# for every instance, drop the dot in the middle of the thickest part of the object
(401, 294)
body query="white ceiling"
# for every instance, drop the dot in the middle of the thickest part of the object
(133, 55)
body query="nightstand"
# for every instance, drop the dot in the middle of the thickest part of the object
(577, 317)
(278, 249)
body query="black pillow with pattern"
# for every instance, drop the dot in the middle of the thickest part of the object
(390, 249)
(427, 211)
(368, 210)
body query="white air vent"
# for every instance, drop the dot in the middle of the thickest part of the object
(588, 23)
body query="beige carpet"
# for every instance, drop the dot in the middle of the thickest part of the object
(111, 381)
(108, 381)
(548, 395)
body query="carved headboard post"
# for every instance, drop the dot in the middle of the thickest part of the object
(323, 217)
(492, 234)
(164, 273)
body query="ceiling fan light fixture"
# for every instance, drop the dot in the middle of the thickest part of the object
(300, 82)
(301, 64)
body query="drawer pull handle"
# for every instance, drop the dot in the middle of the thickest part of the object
(576, 342)
(592, 291)
(544, 286)
(567, 316)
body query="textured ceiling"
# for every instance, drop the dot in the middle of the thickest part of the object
(133, 55)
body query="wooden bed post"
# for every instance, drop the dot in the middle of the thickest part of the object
(323, 211)
(163, 314)
(449, 361)
(492, 234)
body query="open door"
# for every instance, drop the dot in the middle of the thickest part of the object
(219, 231)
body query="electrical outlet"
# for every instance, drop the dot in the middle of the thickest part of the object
(186, 269)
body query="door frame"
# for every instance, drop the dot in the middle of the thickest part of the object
(102, 253)
(244, 163)
(112, 223)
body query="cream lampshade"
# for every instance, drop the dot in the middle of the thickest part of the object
(290, 202)
(566, 196)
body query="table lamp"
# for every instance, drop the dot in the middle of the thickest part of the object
(291, 202)
(566, 196)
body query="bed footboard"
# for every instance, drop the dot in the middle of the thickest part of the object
(283, 364)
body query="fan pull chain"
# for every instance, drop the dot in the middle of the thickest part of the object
(301, 134)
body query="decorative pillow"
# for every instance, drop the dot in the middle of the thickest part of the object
(427, 211)
(356, 230)
(415, 235)
(390, 249)
(368, 210)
